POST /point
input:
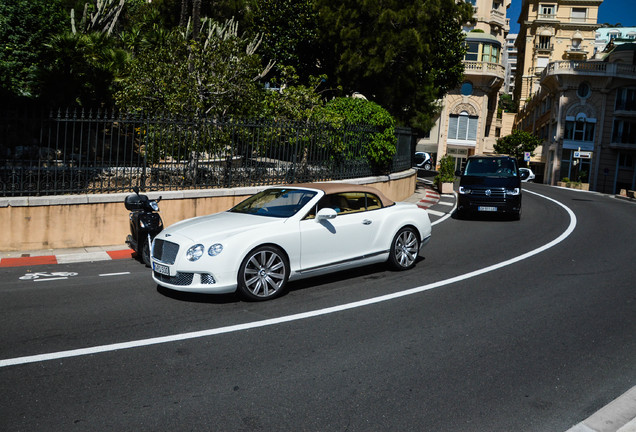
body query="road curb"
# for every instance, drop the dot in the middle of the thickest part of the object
(617, 416)
(62, 257)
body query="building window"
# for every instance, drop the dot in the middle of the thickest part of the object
(467, 88)
(624, 132)
(542, 62)
(547, 9)
(490, 53)
(625, 99)
(545, 42)
(614, 34)
(462, 127)
(584, 90)
(579, 130)
(625, 160)
(472, 51)
(579, 15)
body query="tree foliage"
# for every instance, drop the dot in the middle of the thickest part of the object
(405, 55)
(213, 76)
(517, 143)
(290, 33)
(80, 69)
(380, 144)
(25, 25)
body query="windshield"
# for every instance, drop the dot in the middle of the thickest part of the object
(491, 167)
(281, 203)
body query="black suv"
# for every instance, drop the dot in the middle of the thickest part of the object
(490, 184)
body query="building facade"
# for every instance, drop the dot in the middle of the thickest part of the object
(510, 63)
(614, 36)
(552, 31)
(468, 123)
(585, 111)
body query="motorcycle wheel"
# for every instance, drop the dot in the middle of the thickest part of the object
(144, 254)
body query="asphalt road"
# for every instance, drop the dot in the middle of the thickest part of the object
(538, 344)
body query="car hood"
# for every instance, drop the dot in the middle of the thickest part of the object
(503, 182)
(219, 225)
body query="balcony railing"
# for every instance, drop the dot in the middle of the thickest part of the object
(590, 68)
(547, 17)
(497, 17)
(484, 68)
(544, 47)
(576, 50)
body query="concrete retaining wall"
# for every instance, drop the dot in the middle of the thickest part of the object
(69, 221)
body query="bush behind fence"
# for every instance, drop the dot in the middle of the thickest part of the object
(85, 153)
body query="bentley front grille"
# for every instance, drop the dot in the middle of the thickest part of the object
(165, 251)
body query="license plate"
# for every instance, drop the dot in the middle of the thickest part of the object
(161, 269)
(487, 209)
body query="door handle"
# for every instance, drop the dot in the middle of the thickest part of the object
(366, 222)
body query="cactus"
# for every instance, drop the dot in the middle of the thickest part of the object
(102, 19)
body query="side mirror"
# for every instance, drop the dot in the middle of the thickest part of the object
(325, 214)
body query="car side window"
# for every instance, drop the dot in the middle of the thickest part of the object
(346, 203)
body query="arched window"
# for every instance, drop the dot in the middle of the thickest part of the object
(462, 128)
(579, 129)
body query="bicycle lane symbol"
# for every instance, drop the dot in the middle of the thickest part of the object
(43, 276)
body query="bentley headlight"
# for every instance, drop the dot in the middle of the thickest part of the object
(195, 252)
(215, 249)
(514, 191)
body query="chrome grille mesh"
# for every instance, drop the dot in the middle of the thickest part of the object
(181, 279)
(165, 251)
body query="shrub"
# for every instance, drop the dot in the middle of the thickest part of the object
(446, 172)
(380, 146)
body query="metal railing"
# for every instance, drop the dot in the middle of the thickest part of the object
(87, 153)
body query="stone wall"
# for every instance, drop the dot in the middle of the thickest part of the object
(35, 223)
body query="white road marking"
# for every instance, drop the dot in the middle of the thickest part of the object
(294, 317)
(435, 212)
(114, 274)
(49, 279)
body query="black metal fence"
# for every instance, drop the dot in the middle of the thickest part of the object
(79, 153)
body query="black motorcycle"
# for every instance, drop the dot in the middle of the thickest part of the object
(145, 223)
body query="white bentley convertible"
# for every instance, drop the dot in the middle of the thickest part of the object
(285, 233)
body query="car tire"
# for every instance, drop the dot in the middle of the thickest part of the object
(428, 166)
(404, 249)
(263, 274)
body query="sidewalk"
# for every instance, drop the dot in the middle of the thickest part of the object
(425, 196)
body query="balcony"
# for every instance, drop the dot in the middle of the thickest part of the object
(544, 48)
(589, 68)
(484, 68)
(497, 18)
(576, 52)
(547, 17)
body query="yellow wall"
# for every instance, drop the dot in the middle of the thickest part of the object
(102, 220)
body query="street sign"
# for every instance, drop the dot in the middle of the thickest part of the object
(526, 156)
(583, 155)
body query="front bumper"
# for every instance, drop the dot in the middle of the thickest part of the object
(495, 203)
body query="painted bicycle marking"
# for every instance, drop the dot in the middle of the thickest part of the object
(40, 276)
